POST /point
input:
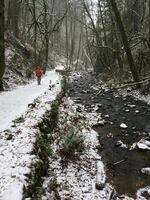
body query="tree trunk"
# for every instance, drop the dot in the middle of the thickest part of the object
(46, 36)
(125, 42)
(67, 48)
(149, 20)
(35, 32)
(2, 46)
(102, 21)
(13, 16)
(117, 43)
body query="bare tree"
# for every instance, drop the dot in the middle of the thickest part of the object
(2, 47)
(125, 41)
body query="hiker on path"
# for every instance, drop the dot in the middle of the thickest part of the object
(38, 74)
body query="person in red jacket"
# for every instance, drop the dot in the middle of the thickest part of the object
(38, 74)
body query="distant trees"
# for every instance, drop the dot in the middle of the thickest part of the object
(112, 36)
(2, 46)
(118, 37)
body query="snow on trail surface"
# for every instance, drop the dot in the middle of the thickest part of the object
(16, 143)
(15, 102)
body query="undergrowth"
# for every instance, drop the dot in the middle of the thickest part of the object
(72, 143)
(42, 149)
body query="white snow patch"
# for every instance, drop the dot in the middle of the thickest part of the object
(15, 102)
(146, 170)
(60, 67)
(143, 144)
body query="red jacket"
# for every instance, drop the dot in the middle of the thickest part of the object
(38, 72)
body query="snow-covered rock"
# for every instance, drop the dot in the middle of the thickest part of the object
(146, 170)
(121, 144)
(143, 144)
(131, 106)
(124, 126)
(141, 191)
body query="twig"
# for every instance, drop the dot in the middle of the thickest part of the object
(118, 162)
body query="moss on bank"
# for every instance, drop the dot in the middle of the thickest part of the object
(42, 149)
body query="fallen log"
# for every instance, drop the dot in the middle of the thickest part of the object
(100, 175)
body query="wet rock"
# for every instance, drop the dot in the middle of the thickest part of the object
(129, 90)
(9, 137)
(78, 98)
(101, 123)
(118, 143)
(13, 125)
(72, 90)
(79, 109)
(124, 99)
(110, 135)
(133, 128)
(31, 105)
(123, 197)
(83, 91)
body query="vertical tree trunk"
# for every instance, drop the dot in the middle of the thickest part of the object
(35, 32)
(149, 20)
(2, 46)
(102, 20)
(67, 42)
(117, 43)
(72, 39)
(25, 15)
(125, 41)
(13, 16)
(46, 37)
(79, 48)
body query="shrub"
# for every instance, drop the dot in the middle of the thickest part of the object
(72, 143)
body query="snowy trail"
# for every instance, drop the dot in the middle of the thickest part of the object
(16, 144)
(14, 103)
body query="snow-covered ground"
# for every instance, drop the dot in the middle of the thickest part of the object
(17, 138)
(15, 102)
(136, 94)
(78, 180)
